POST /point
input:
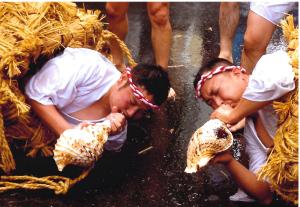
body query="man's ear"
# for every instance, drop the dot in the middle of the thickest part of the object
(123, 79)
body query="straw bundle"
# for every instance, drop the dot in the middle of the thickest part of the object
(33, 32)
(281, 169)
(30, 31)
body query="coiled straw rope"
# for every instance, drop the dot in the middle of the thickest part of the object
(281, 169)
(59, 184)
(32, 32)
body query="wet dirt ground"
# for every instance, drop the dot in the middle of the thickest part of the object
(156, 176)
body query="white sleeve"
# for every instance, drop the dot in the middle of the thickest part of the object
(272, 78)
(72, 80)
(272, 11)
(52, 85)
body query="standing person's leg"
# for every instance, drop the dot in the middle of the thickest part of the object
(229, 16)
(118, 24)
(161, 31)
(256, 39)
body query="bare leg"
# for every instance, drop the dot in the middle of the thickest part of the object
(256, 39)
(161, 31)
(118, 24)
(229, 16)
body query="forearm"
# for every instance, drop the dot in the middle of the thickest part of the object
(247, 181)
(50, 116)
(244, 108)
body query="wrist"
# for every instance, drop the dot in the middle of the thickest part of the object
(230, 161)
(234, 117)
(63, 127)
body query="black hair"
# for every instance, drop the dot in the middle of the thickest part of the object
(209, 66)
(154, 79)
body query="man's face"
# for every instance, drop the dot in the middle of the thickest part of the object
(224, 88)
(126, 102)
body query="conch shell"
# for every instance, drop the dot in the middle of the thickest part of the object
(81, 147)
(213, 137)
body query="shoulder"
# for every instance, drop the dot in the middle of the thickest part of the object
(273, 65)
(83, 61)
(272, 77)
(83, 54)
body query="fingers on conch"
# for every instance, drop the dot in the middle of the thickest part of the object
(114, 109)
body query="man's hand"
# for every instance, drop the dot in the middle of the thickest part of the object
(117, 121)
(223, 113)
(222, 157)
(237, 126)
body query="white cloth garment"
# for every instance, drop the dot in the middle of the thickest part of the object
(74, 80)
(272, 11)
(272, 78)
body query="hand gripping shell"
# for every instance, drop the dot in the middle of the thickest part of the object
(213, 137)
(81, 147)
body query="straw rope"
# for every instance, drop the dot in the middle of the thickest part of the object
(110, 37)
(7, 163)
(59, 184)
(32, 33)
(281, 169)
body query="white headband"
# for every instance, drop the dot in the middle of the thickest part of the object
(213, 72)
(137, 93)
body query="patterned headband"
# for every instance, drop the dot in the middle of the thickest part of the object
(210, 74)
(136, 91)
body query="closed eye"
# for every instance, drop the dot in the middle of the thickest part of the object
(209, 102)
(133, 100)
(215, 92)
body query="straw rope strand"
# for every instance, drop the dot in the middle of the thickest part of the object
(281, 169)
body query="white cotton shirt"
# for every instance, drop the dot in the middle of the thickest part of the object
(74, 80)
(272, 11)
(272, 78)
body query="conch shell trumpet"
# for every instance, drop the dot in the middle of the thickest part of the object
(213, 137)
(81, 147)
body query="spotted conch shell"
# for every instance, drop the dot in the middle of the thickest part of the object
(213, 137)
(81, 147)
